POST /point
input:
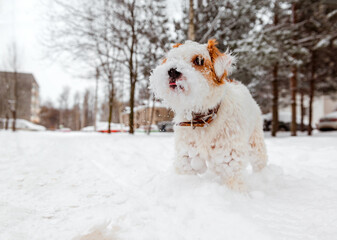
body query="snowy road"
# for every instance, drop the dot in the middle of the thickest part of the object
(59, 185)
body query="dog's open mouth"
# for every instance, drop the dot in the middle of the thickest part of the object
(174, 85)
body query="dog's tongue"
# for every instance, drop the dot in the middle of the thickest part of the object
(173, 84)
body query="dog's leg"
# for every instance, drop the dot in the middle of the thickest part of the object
(198, 164)
(184, 164)
(188, 160)
(230, 168)
(258, 153)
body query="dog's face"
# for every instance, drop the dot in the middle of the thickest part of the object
(192, 76)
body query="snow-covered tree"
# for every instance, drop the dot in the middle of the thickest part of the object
(226, 21)
(317, 35)
(283, 48)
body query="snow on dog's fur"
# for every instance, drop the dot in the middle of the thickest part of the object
(193, 79)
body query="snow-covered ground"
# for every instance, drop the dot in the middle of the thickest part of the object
(60, 185)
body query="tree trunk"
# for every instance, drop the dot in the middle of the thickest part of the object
(132, 104)
(110, 114)
(133, 77)
(302, 110)
(96, 100)
(111, 100)
(7, 120)
(151, 117)
(293, 86)
(293, 89)
(147, 115)
(14, 121)
(8, 107)
(191, 26)
(275, 123)
(77, 118)
(275, 101)
(61, 118)
(15, 101)
(311, 91)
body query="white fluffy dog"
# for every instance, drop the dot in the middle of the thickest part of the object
(218, 123)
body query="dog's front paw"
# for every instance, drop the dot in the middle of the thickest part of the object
(190, 166)
(182, 165)
(198, 165)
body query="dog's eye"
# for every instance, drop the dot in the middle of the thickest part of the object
(198, 61)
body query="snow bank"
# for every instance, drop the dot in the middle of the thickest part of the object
(103, 126)
(122, 187)
(22, 124)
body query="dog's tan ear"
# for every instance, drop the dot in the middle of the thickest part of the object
(176, 45)
(223, 63)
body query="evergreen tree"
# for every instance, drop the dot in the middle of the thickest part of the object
(268, 55)
(227, 21)
(317, 35)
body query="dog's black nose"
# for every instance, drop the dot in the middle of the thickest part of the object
(173, 73)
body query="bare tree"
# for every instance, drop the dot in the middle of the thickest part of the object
(6, 102)
(13, 64)
(49, 116)
(86, 109)
(154, 41)
(130, 18)
(64, 106)
(105, 37)
(143, 36)
(76, 113)
(191, 27)
(96, 99)
(87, 35)
(107, 50)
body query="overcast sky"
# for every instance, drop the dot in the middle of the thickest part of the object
(21, 21)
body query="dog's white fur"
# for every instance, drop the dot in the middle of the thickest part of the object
(234, 138)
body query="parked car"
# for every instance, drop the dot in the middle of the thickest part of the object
(284, 122)
(328, 122)
(165, 126)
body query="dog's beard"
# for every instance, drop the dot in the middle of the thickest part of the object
(191, 91)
